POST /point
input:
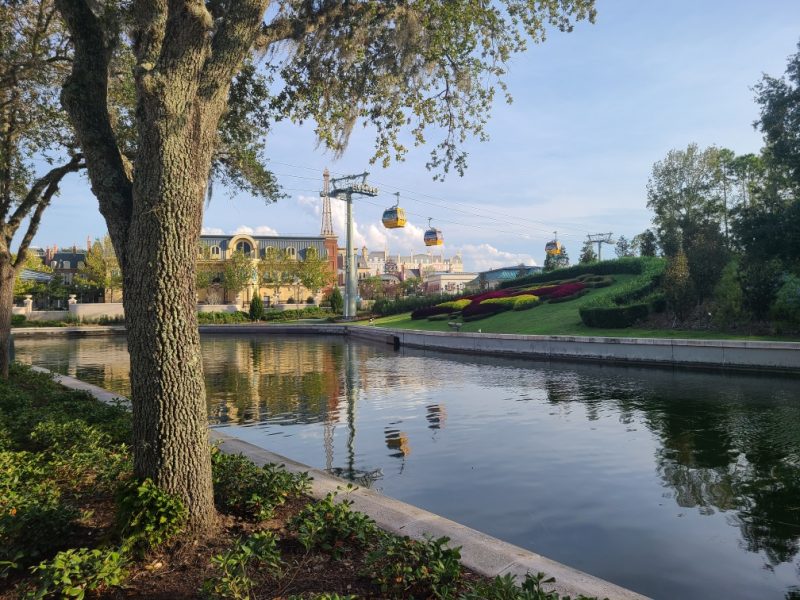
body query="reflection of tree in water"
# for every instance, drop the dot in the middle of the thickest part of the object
(717, 453)
(284, 382)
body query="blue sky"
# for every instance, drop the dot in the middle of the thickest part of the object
(593, 110)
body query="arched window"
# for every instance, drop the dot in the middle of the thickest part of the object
(291, 253)
(311, 253)
(215, 251)
(270, 251)
(244, 247)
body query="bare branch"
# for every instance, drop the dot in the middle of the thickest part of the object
(44, 187)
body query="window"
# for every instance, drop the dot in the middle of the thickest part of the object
(291, 253)
(244, 247)
(215, 252)
(270, 251)
(311, 253)
(66, 265)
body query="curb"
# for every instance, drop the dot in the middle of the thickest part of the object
(480, 553)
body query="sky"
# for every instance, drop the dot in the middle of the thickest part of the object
(593, 110)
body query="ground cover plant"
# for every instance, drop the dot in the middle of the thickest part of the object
(74, 523)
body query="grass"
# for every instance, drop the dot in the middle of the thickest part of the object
(563, 319)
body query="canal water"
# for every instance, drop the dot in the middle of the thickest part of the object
(676, 484)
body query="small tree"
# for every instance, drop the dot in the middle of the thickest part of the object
(706, 254)
(587, 253)
(239, 271)
(274, 270)
(678, 286)
(336, 301)
(256, 308)
(100, 269)
(314, 272)
(623, 247)
(645, 243)
(728, 306)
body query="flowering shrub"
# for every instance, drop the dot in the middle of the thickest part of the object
(479, 311)
(455, 305)
(507, 301)
(525, 301)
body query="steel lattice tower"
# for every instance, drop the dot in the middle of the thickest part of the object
(327, 218)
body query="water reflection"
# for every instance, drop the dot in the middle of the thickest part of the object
(630, 453)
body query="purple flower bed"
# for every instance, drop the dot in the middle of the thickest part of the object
(486, 310)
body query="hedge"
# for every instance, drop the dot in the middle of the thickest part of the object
(629, 303)
(385, 307)
(629, 265)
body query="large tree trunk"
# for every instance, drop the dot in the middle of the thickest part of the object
(7, 277)
(168, 392)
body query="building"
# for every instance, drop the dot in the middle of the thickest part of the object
(65, 263)
(446, 283)
(381, 262)
(215, 250)
(489, 280)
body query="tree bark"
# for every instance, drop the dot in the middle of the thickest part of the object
(7, 276)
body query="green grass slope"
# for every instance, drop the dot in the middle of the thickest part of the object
(558, 319)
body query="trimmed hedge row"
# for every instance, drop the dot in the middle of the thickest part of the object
(630, 303)
(385, 307)
(630, 265)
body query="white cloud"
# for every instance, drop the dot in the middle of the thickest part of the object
(259, 230)
(212, 231)
(483, 257)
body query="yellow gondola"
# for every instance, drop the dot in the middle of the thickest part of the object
(395, 216)
(433, 236)
(553, 248)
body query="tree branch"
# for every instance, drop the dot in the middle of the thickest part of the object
(33, 225)
(41, 192)
(232, 40)
(85, 98)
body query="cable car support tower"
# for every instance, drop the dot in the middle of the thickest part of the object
(344, 188)
(600, 239)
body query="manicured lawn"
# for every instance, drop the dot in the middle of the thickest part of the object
(561, 319)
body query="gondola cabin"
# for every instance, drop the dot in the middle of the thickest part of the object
(394, 217)
(553, 248)
(433, 236)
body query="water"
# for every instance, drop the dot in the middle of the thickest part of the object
(676, 484)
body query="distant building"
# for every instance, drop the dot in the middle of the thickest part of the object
(216, 249)
(65, 263)
(446, 283)
(381, 262)
(489, 280)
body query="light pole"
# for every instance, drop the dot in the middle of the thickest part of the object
(344, 188)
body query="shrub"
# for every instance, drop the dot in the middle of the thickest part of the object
(456, 305)
(385, 306)
(72, 573)
(626, 304)
(557, 299)
(290, 301)
(242, 487)
(630, 265)
(786, 308)
(443, 317)
(505, 588)
(480, 311)
(406, 568)
(260, 550)
(429, 311)
(334, 298)
(256, 311)
(34, 520)
(225, 318)
(728, 303)
(310, 300)
(333, 527)
(526, 301)
(17, 320)
(147, 516)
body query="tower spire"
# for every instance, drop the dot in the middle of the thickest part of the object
(327, 218)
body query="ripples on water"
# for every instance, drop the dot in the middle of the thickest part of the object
(675, 484)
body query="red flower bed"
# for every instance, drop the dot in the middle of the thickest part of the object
(558, 291)
(476, 308)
